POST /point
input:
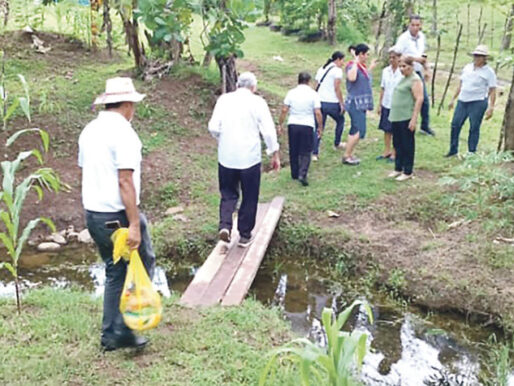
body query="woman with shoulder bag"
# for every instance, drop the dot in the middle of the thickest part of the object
(328, 86)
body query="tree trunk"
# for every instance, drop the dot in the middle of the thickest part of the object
(456, 49)
(131, 27)
(227, 67)
(4, 7)
(434, 17)
(267, 9)
(94, 7)
(107, 25)
(492, 27)
(207, 59)
(435, 68)
(469, 22)
(507, 37)
(482, 33)
(508, 120)
(383, 15)
(331, 22)
(388, 36)
(409, 8)
(479, 25)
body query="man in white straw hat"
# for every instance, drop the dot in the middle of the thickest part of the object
(477, 87)
(110, 158)
(238, 120)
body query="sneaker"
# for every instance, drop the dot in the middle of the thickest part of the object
(394, 174)
(390, 160)
(351, 161)
(428, 131)
(315, 157)
(342, 145)
(224, 235)
(450, 154)
(303, 181)
(245, 241)
(403, 177)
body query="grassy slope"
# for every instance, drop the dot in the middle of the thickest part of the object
(218, 346)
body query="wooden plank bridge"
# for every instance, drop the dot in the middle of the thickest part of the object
(227, 274)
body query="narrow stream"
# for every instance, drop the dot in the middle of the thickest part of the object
(408, 346)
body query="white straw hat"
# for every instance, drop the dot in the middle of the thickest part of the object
(481, 50)
(119, 90)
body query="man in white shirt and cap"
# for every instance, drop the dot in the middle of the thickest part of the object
(238, 120)
(412, 44)
(110, 158)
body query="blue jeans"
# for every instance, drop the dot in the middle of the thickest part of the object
(425, 107)
(358, 120)
(113, 326)
(334, 111)
(475, 111)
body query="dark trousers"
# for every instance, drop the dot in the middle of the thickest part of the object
(230, 181)
(113, 326)
(332, 110)
(404, 145)
(300, 148)
(425, 107)
(475, 111)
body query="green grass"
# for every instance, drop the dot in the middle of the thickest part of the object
(56, 341)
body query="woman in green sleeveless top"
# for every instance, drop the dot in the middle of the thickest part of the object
(405, 108)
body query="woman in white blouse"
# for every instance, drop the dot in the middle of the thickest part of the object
(391, 75)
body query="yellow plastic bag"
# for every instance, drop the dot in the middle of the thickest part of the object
(140, 304)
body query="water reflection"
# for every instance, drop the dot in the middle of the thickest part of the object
(404, 348)
(70, 267)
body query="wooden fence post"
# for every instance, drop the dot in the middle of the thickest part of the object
(435, 68)
(456, 49)
(482, 33)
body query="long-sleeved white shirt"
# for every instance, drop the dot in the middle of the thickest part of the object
(237, 120)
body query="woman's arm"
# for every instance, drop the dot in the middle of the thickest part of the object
(492, 101)
(281, 119)
(379, 107)
(417, 93)
(339, 93)
(351, 75)
(457, 92)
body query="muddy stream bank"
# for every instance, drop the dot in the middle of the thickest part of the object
(409, 346)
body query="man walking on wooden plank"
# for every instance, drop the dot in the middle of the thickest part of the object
(238, 120)
(110, 158)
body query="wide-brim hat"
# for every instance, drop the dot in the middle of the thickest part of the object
(481, 50)
(119, 90)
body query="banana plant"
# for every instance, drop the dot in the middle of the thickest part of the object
(333, 365)
(13, 195)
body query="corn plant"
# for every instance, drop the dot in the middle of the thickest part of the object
(8, 108)
(334, 365)
(12, 196)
